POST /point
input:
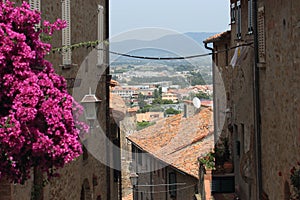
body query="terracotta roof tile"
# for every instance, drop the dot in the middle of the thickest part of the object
(178, 141)
(217, 37)
(113, 83)
(128, 197)
(134, 109)
(117, 106)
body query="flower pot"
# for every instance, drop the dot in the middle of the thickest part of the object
(228, 167)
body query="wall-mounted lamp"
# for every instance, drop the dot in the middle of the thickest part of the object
(90, 103)
(133, 179)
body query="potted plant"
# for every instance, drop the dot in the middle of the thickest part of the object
(227, 165)
(219, 157)
(208, 160)
(295, 181)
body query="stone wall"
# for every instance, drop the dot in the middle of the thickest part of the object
(88, 175)
(280, 86)
(127, 126)
(279, 98)
(237, 81)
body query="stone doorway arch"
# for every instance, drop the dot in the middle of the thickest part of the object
(86, 193)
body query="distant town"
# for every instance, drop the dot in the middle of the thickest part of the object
(157, 90)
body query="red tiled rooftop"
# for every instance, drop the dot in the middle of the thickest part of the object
(117, 106)
(113, 83)
(178, 141)
(217, 37)
(128, 197)
(134, 109)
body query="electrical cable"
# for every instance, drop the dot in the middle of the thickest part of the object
(157, 185)
(174, 58)
(158, 58)
(164, 191)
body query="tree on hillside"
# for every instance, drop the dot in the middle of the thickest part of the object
(141, 100)
(172, 111)
(155, 94)
(39, 124)
(201, 95)
(196, 79)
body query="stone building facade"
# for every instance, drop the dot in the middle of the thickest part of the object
(261, 79)
(89, 177)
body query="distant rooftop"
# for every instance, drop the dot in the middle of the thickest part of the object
(178, 141)
(217, 37)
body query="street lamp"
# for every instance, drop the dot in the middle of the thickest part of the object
(90, 103)
(134, 179)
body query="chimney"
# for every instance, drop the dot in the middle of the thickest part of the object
(189, 109)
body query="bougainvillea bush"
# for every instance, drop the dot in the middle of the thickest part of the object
(38, 126)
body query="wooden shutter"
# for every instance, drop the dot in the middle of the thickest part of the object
(233, 14)
(239, 20)
(66, 32)
(250, 16)
(100, 30)
(261, 35)
(36, 5)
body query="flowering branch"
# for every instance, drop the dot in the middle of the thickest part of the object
(37, 125)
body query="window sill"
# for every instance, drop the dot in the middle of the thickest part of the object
(67, 66)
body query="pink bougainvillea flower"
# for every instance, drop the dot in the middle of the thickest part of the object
(37, 125)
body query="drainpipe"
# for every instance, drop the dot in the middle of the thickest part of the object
(214, 91)
(107, 80)
(120, 164)
(257, 114)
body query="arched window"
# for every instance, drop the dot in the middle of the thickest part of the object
(85, 191)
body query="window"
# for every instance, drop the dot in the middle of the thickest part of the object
(153, 162)
(242, 138)
(35, 5)
(148, 167)
(250, 16)
(142, 196)
(261, 35)
(226, 55)
(66, 32)
(216, 56)
(117, 159)
(232, 13)
(144, 162)
(85, 154)
(140, 157)
(172, 184)
(133, 152)
(239, 20)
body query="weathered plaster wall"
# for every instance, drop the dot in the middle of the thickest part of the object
(127, 126)
(280, 81)
(238, 84)
(89, 173)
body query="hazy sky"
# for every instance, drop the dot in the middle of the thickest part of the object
(182, 16)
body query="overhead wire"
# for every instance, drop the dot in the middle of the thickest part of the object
(164, 191)
(174, 58)
(148, 57)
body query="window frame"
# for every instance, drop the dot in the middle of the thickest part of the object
(66, 32)
(250, 17)
(172, 188)
(239, 20)
(232, 13)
